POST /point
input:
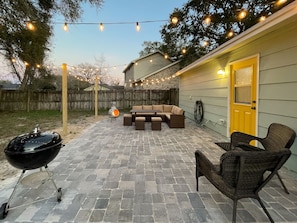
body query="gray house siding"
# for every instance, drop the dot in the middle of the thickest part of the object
(145, 66)
(277, 83)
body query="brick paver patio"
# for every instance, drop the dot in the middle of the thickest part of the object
(114, 173)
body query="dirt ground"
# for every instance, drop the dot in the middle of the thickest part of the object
(74, 130)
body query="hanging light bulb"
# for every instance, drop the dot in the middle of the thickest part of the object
(174, 20)
(184, 50)
(166, 56)
(30, 26)
(65, 27)
(13, 60)
(101, 27)
(262, 18)
(207, 20)
(280, 2)
(230, 34)
(242, 14)
(137, 27)
(205, 43)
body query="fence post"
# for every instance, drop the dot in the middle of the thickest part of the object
(64, 98)
(96, 96)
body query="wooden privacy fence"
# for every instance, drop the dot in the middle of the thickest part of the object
(83, 100)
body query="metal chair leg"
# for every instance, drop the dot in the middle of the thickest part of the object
(234, 211)
(282, 183)
(265, 210)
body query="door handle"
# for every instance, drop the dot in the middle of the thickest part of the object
(254, 108)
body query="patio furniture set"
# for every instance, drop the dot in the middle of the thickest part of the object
(245, 169)
(156, 114)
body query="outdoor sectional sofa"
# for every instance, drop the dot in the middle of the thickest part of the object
(173, 115)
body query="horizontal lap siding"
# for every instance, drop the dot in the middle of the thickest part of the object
(212, 89)
(278, 86)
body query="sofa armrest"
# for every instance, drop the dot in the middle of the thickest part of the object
(176, 121)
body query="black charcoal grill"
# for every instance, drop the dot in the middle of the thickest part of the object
(31, 151)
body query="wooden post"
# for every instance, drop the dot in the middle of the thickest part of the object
(96, 96)
(64, 99)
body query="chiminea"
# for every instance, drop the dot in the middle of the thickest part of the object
(113, 111)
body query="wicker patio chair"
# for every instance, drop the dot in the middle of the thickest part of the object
(241, 174)
(278, 137)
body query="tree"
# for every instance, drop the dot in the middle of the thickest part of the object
(25, 31)
(150, 47)
(204, 25)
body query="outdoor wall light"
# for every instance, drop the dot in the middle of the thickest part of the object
(221, 72)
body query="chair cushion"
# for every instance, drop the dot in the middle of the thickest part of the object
(147, 107)
(177, 110)
(158, 107)
(167, 108)
(137, 107)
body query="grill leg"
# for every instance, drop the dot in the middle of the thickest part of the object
(59, 190)
(14, 190)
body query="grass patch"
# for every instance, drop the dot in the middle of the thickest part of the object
(13, 124)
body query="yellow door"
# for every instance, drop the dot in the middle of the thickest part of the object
(243, 96)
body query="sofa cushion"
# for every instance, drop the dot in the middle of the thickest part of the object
(177, 110)
(147, 107)
(167, 108)
(137, 107)
(158, 107)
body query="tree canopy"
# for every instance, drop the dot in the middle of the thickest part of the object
(203, 25)
(25, 31)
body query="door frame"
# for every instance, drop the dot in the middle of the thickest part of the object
(257, 57)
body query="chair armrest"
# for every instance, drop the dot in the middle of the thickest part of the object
(204, 165)
(240, 137)
(248, 147)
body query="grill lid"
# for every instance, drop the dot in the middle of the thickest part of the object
(33, 142)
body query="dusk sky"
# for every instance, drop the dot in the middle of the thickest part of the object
(118, 44)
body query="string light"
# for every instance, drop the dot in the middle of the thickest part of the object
(174, 20)
(280, 2)
(65, 27)
(137, 27)
(30, 26)
(230, 34)
(207, 20)
(242, 14)
(101, 27)
(262, 18)
(205, 43)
